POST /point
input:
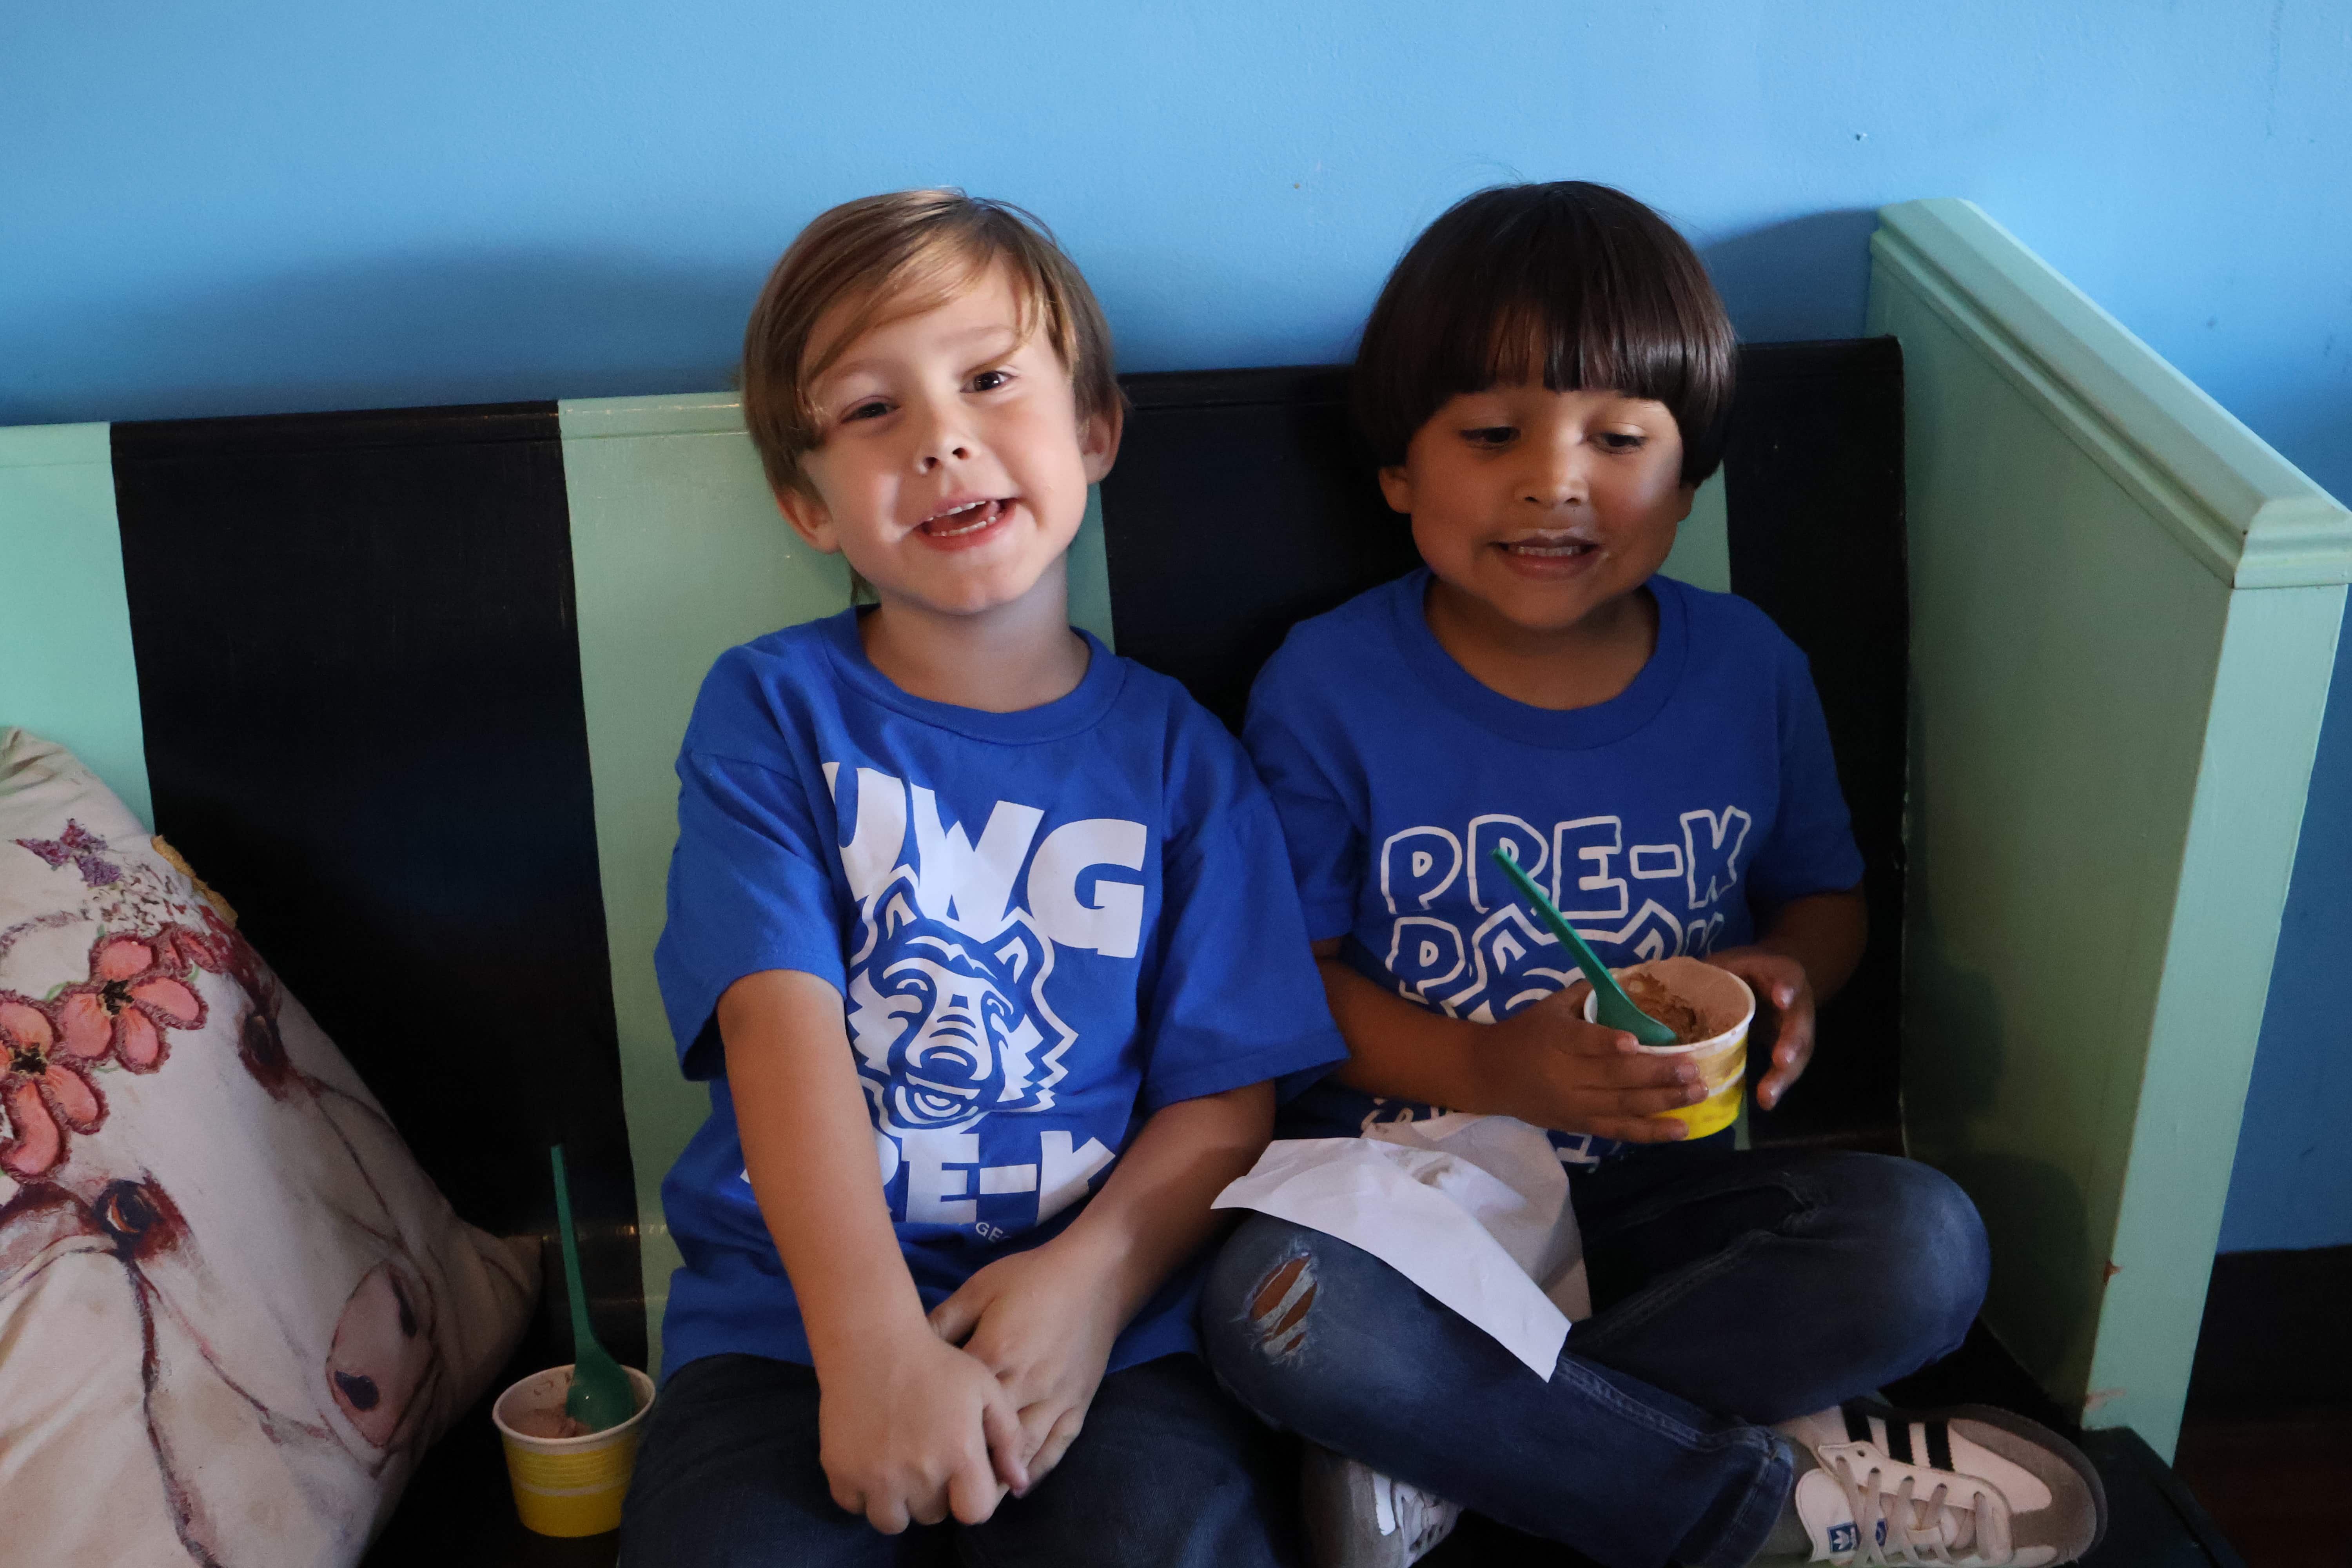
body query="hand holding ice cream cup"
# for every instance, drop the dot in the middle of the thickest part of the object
(1709, 1009)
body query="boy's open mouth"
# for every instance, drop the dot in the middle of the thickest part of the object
(965, 517)
(1549, 549)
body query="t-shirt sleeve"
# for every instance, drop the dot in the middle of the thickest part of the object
(1237, 998)
(750, 889)
(1289, 738)
(1811, 849)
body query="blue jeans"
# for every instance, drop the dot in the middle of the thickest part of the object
(1731, 1289)
(1167, 1472)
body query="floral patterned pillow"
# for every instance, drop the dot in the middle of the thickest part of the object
(233, 1310)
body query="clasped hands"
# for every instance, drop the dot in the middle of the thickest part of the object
(981, 1401)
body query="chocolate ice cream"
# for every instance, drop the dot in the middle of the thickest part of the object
(549, 1423)
(1651, 996)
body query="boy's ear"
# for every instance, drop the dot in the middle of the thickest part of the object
(1396, 484)
(809, 519)
(1099, 440)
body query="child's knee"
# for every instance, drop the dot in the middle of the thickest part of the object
(1927, 1249)
(1258, 1311)
(1947, 1236)
(1277, 1308)
(1264, 1279)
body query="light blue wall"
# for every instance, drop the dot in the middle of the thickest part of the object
(2293, 1183)
(265, 207)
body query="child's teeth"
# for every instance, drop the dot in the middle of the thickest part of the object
(985, 514)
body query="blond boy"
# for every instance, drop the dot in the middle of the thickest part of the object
(964, 902)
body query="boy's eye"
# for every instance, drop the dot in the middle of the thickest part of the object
(1490, 435)
(872, 408)
(1622, 441)
(990, 380)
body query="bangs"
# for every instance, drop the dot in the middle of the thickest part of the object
(1573, 346)
(1577, 286)
(928, 276)
(883, 258)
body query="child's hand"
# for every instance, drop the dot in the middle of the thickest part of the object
(1038, 1319)
(908, 1433)
(1552, 1068)
(1780, 985)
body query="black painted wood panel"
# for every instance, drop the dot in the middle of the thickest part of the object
(1240, 505)
(1813, 479)
(2272, 1336)
(359, 684)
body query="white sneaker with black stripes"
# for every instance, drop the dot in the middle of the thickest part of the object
(1357, 1517)
(1970, 1487)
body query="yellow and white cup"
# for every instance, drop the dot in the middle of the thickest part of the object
(1727, 1006)
(569, 1486)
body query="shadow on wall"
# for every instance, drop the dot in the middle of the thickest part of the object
(2046, 1288)
(2292, 1183)
(403, 331)
(1805, 278)
(507, 326)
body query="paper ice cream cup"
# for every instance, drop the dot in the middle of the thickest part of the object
(568, 1486)
(1725, 1005)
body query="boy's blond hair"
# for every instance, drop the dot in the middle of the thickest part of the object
(897, 255)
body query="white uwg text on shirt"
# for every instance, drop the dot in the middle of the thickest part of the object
(950, 1007)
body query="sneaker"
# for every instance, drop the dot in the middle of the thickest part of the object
(1970, 1487)
(1359, 1517)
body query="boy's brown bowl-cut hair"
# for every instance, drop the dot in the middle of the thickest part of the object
(896, 256)
(1575, 284)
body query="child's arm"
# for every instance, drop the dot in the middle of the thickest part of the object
(1045, 1320)
(907, 1423)
(1543, 1064)
(1807, 952)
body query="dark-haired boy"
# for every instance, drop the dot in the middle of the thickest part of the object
(1544, 383)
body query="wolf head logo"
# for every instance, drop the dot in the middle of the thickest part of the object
(949, 1027)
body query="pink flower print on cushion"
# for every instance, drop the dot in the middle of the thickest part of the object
(216, 950)
(44, 1093)
(133, 994)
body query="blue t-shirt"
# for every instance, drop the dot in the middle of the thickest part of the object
(1660, 821)
(1045, 926)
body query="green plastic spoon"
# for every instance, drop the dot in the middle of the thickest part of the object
(600, 1395)
(1615, 1010)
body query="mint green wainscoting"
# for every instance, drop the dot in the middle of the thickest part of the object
(678, 554)
(66, 668)
(2124, 615)
(1702, 554)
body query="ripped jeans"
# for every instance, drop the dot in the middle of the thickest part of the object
(1731, 1289)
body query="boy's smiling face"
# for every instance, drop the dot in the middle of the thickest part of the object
(1533, 509)
(952, 466)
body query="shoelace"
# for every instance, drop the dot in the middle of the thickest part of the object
(1930, 1530)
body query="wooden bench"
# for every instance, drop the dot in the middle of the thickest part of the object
(415, 679)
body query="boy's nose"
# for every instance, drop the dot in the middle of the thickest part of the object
(1555, 474)
(940, 437)
(1556, 483)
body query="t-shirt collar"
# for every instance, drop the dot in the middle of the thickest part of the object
(1574, 728)
(1080, 710)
